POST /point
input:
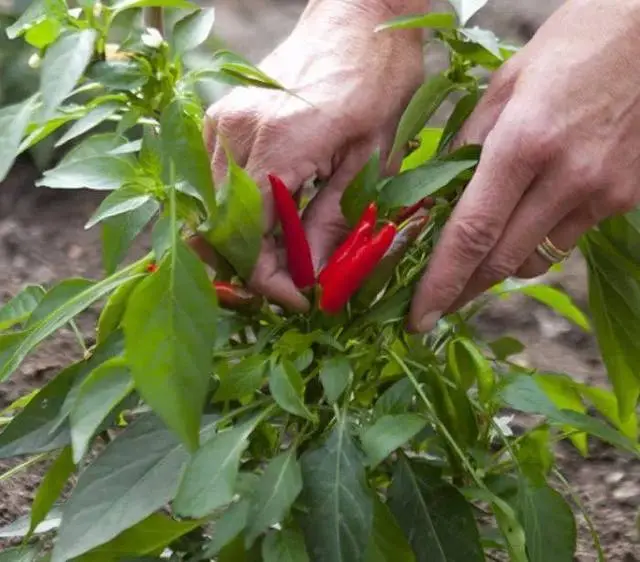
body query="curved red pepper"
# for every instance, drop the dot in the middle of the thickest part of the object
(358, 236)
(295, 240)
(236, 297)
(345, 280)
(407, 212)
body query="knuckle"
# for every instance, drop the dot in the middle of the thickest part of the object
(618, 200)
(497, 269)
(475, 236)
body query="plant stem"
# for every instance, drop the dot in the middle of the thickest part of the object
(436, 421)
(20, 467)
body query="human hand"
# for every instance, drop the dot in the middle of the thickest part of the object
(354, 83)
(560, 125)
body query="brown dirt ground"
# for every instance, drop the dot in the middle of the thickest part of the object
(42, 239)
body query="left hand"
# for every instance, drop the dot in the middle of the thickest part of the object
(560, 125)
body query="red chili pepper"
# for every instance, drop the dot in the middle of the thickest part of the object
(358, 236)
(407, 212)
(236, 297)
(295, 239)
(152, 268)
(344, 281)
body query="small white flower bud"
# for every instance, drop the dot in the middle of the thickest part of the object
(152, 38)
(97, 9)
(34, 60)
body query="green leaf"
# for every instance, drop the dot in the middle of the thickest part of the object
(242, 379)
(193, 30)
(231, 68)
(287, 388)
(209, 481)
(20, 307)
(169, 330)
(555, 299)
(128, 198)
(50, 488)
(56, 297)
(409, 187)
(24, 342)
(388, 434)
(228, 527)
(43, 33)
(466, 9)
(33, 429)
(118, 232)
(549, 523)
(147, 537)
(335, 374)
(338, 520)
(121, 5)
(614, 302)
(284, 546)
(605, 402)
(461, 112)
(121, 75)
(182, 143)
(485, 38)
(92, 119)
(433, 21)
(237, 232)
(278, 488)
(136, 475)
(113, 311)
(435, 517)
(524, 394)
(99, 172)
(62, 66)
(13, 123)
(95, 146)
(387, 543)
(428, 138)
(564, 393)
(35, 13)
(98, 394)
(469, 365)
(362, 190)
(19, 528)
(422, 106)
(395, 400)
(476, 53)
(505, 347)
(20, 554)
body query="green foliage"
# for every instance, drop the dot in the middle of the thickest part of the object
(228, 435)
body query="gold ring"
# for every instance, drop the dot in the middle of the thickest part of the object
(550, 252)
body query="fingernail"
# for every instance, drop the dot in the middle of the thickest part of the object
(429, 321)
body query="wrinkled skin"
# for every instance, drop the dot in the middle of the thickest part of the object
(560, 125)
(355, 84)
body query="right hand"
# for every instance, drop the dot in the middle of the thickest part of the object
(355, 83)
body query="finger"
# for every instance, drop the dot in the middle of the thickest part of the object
(565, 236)
(325, 225)
(474, 228)
(273, 281)
(204, 251)
(542, 208)
(485, 115)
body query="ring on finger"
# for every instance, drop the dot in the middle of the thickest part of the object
(550, 252)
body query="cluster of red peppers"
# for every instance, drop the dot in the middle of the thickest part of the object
(363, 263)
(361, 266)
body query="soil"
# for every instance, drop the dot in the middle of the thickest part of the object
(42, 239)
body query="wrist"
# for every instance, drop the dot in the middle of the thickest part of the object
(377, 11)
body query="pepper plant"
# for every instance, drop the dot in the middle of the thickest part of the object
(207, 424)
